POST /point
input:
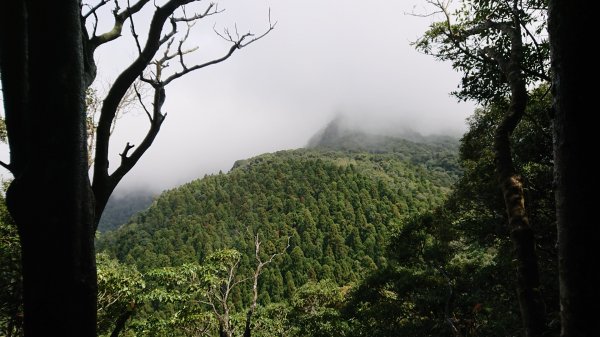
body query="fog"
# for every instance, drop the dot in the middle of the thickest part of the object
(324, 58)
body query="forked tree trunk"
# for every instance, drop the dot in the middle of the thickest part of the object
(50, 198)
(571, 25)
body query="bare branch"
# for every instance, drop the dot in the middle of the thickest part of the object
(150, 81)
(212, 304)
(139, 96)
(133, 32)
(126, 151)
(95, 25)
(117, 28)
(103, 183)
(271, 27)
(157, 120)
(196, 17)
(257, 251)
(423, 15)
(170, 34)
(93, 9)
(237, 44)
(181, 52)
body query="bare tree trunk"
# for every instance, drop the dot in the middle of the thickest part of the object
(575, 142)
(50, 198)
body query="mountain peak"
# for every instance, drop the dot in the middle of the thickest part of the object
(345, 135)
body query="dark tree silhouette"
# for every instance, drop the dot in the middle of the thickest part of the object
(47, 63)
(570, 27)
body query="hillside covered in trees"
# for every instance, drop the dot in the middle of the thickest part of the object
(337, 207)
(334, 204)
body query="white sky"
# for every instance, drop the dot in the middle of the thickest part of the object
(324, 58)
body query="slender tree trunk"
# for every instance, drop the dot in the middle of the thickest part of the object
(528, 280)
(50, 198)
(575, 142)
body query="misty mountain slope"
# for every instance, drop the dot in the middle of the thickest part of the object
(338, 209)
(122, 207)
(407, 145)
(343, 133)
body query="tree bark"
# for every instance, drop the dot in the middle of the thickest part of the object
(570, 28)
(50, 198)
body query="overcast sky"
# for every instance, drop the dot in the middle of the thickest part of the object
(324, 58)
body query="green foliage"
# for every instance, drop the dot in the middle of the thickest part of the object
(11, 290)
(272, 320)
(168, 301)
(464, 246)
(474, 35)
(172, 302)
(316, 310)
(120, 290)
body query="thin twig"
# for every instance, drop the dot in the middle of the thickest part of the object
(139, 96)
